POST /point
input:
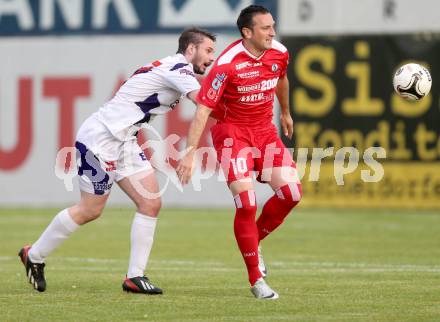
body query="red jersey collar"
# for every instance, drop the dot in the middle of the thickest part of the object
(249, 53)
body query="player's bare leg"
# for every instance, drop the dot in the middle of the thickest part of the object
(62, 226)
(89, 208)
(143, 189)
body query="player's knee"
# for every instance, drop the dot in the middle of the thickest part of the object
(86, 213)
(94, 213)
(246, 201)
(150, 207)
(290, 194)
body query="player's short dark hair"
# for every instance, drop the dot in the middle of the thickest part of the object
(247, 14)
(194, 36)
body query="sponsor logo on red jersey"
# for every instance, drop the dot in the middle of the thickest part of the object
(248, 88)
(258, 97)
(251, 74)
(264, 85)
(252, 97)
(242, 65)
(217, 82)
(247, 64)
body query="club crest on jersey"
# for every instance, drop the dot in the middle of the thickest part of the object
(274, 67)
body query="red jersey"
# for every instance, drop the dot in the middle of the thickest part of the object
(240, 88)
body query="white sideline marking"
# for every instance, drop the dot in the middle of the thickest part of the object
(231, 269)
(202, 266)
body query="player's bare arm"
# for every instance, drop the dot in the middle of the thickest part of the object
(192, 96)
(282, 92)
(186, 164)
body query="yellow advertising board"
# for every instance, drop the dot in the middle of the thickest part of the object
(403, 185)
(342, 97)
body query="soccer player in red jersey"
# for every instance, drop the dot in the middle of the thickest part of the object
(239, 92)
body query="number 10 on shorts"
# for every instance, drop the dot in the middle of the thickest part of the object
(239, 166)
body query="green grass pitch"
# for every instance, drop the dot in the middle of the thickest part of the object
(327, 265)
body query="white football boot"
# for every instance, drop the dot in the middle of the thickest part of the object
(261, 265)
(263, 291)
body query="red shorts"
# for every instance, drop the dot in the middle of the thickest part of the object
(242, 150)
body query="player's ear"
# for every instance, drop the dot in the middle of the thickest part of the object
(193, 48)
(190, 49)
(247, 32)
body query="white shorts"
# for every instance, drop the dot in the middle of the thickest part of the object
(103, 159)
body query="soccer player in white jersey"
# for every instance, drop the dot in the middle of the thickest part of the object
(108, 151)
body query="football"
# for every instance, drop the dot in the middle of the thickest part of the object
(412, 81)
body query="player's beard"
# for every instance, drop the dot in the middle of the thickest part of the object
(197, 70)
(198, 61)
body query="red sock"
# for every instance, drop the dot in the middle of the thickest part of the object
(277, 208)
(246, 232)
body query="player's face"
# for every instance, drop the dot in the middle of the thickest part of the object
(263, 31)
(204, 56)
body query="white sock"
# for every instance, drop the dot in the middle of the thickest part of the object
(142, 234)
(58, 230)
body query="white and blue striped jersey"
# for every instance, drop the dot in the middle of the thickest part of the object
(152, 90)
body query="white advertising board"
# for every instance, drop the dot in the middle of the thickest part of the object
(340, 17)
(48, 86)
